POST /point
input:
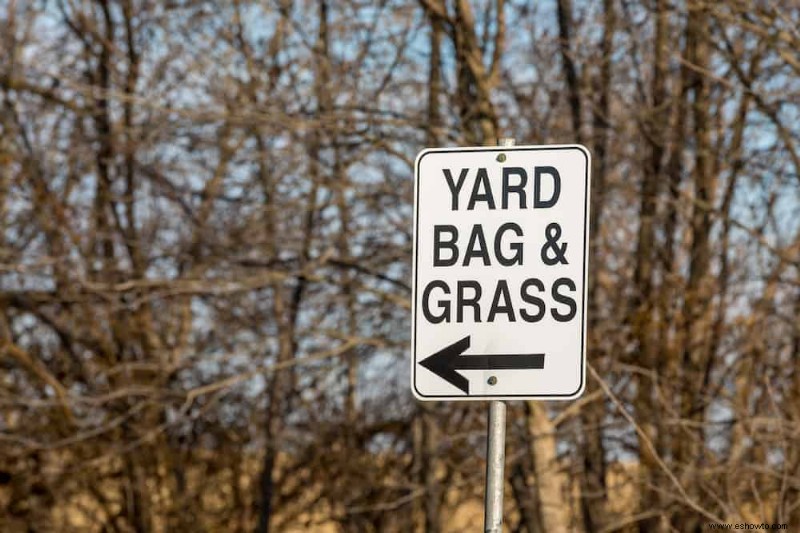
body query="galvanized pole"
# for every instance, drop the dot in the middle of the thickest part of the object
(495, 453)
(495, 465)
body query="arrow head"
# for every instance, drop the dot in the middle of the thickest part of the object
(443, 364)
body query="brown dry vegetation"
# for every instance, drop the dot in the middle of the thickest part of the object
(458, 512)
(205, 213)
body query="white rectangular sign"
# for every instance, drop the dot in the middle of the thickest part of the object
(501, 238)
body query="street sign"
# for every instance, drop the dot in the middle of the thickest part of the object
(500, 272)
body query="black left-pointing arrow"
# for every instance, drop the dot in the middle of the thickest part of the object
(446, 362)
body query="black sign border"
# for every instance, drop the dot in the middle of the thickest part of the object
(587, 185)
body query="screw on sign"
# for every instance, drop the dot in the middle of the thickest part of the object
(500, 269)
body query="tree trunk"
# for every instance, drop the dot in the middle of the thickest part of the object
(699, 288)
(551, 482)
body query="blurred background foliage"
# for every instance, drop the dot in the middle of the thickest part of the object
(205, 246)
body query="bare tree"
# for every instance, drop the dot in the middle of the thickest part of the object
(205, 260)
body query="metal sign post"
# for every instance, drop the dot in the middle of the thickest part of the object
(495, 467)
